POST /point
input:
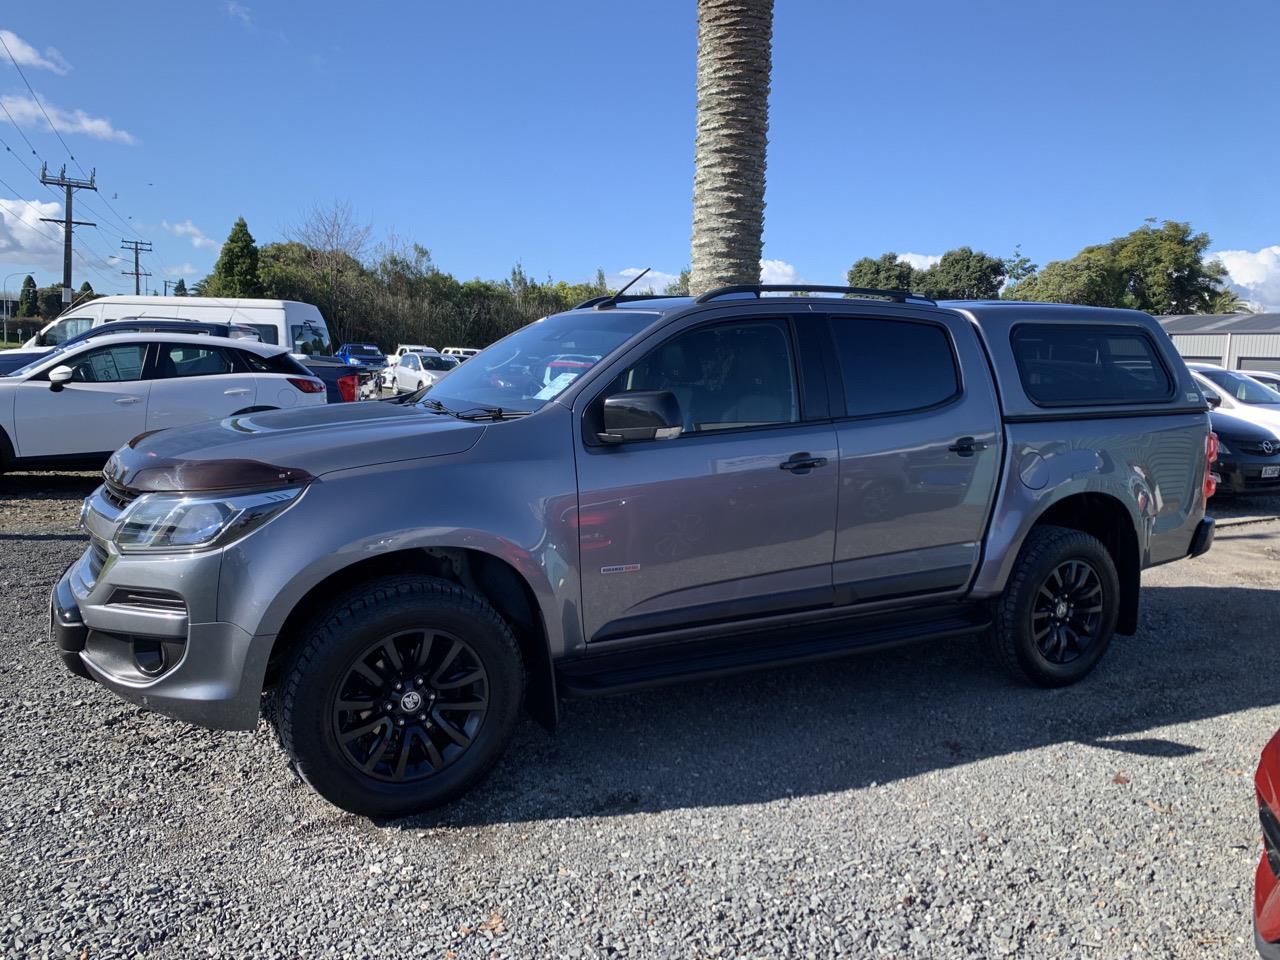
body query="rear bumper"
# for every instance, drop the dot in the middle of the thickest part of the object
(1266, 950)
(1202, 539)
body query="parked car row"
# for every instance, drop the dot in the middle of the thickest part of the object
(1246, 417)
(79, 402)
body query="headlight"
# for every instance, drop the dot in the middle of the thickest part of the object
(1223, 448)
(168, 522)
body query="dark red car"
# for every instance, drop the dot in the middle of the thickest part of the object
(1266, 884)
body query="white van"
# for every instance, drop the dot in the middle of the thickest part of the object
(297, 325)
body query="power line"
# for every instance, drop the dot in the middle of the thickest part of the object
(41, 106)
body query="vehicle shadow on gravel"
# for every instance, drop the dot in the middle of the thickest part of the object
(857, 722)
(47, 486)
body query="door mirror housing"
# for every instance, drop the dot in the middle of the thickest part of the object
(60, 375)
(1213, 400)
(641, 415)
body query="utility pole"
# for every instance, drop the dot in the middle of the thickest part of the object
(138, 247)
(71, 184)
(168, 284)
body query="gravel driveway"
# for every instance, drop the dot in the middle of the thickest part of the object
(905, 804)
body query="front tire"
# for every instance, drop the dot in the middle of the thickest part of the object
(400, 697)
(1058, 612)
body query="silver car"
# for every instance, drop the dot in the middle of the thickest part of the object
(636, 491)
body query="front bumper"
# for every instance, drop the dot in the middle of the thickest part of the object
(1243, 475)
(146, 628)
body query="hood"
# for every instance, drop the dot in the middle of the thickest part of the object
(279, 447)
(1228, 425)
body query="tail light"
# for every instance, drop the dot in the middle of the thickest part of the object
(348, 386)
(306, 385)
(1210, 458)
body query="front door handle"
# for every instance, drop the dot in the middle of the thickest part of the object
(125, 401)
(967, 446)
(802, 463)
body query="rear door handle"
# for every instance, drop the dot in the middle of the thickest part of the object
(236, 392)
(802, 463)
(967, 446)
(125, 401)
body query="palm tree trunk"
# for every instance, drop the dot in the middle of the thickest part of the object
(734, 59)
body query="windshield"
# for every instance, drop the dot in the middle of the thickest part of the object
(537, 363)
(363, 350)
(1242, 388)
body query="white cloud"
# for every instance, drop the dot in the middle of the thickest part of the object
(26, 113)
(920, 261)
(188, 229)
(1255, 275)
(24, 240)
(238, 11)
(655, 281)
(778, 271)
(181, 270)
(28, 56)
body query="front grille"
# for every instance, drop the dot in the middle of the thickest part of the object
(97, 557)
(153, 601)
(1260, 449)
(117, 495)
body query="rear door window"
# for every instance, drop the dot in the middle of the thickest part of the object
(184, 360)
(893, 366)
(1085, 364)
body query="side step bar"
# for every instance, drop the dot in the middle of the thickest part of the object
(615, 671)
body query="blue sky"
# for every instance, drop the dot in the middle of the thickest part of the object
(560, 135)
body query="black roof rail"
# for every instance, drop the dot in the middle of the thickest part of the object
(897, 296)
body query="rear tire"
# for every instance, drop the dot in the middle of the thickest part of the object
(1058, 612)
(400, 697)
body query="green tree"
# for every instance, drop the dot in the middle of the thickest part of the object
(28, 301)
(1018, 267)
(886, 273)
(1227, 301)
(180, 288)
(961, 274)
(679, 287)
(49, 302)
(236, 272)
(1158, 268)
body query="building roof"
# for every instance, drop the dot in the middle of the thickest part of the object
(1222, 323)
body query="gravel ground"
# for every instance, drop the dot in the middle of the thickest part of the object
(908, 804)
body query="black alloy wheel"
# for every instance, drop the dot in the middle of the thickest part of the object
(1066, 616)
(410, 705)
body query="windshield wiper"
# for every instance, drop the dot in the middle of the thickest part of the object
(489, 413)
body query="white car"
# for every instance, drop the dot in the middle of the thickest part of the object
(77, 405)
(462, 353)
(417, 370)
(1268, 378)
(1262, 405)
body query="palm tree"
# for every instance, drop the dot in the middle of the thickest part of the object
(1226, 301)
(734, 59)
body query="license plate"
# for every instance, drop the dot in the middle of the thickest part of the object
(1269, 472)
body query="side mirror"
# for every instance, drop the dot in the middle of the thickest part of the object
(641, 415)
(1213, 400)
(60, 375)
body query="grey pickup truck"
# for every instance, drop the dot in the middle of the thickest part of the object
(639, 490)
